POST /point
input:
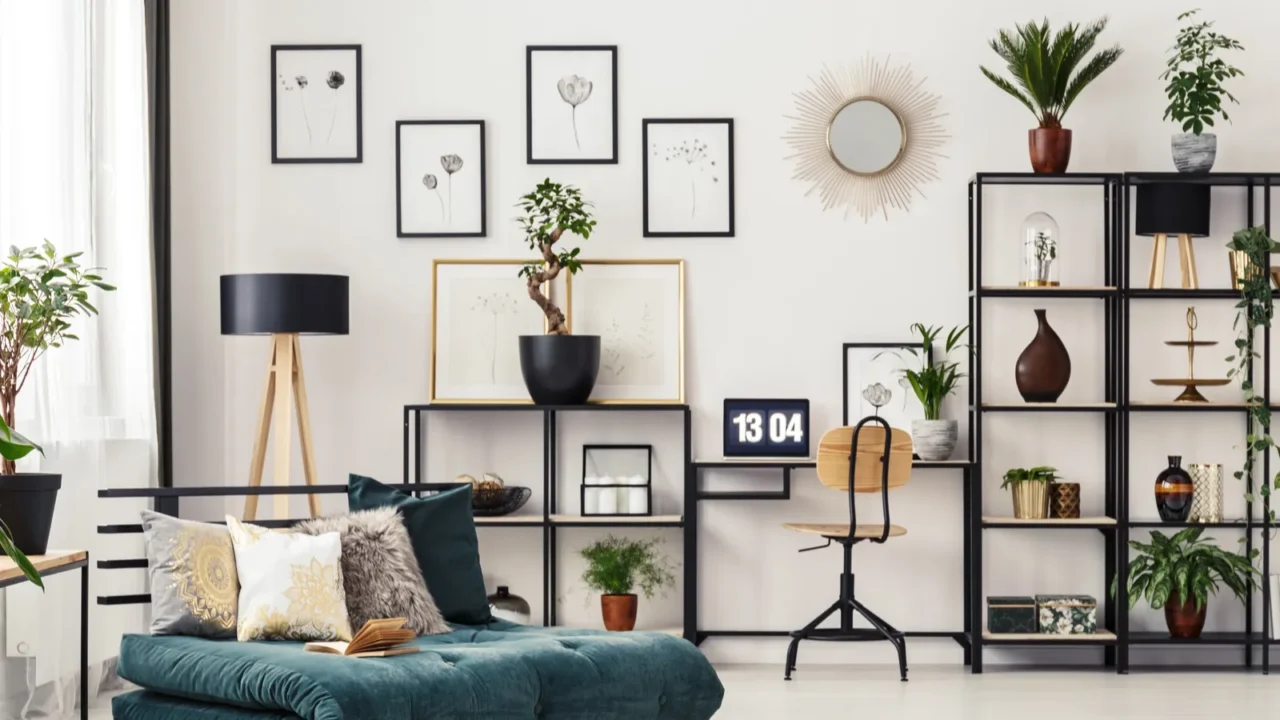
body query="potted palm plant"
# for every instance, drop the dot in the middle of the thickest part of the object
(616, 567)
(1030, 490)
(41, 292)
(1044, 65)
(1196, 76)
(1179, 574)
(934, 438)
(558, 368)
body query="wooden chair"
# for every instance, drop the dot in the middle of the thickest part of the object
(870, 457)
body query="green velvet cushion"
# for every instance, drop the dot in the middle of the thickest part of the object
(444, 540)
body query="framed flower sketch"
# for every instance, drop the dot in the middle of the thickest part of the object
(478, 310)
(874, 383)
(440, 182)
(572, 104)
(688, 178)
(316, 110)
(637, 309)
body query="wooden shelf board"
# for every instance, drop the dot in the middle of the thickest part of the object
(510, 520)
(615, 520)
(1049, 406)
(1049, 290)
(1048, 522)
(1101, 635)
(49, 561)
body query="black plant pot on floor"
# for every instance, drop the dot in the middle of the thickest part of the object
(560, 369)
(26, 507)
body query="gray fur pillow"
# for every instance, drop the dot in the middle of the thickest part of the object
(380, 573)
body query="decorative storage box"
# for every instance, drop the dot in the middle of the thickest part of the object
(1011, 614)
(1067, 614)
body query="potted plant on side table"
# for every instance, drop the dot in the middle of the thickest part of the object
(558, 368)
(1030, 491)
(1195, 92)
(1179, 573)
(934, 438)
(41, 292)
(1045, 64)
(616, 567)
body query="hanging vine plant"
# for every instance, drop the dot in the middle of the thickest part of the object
(1255, 311)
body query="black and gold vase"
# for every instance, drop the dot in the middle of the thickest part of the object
(1174, 491)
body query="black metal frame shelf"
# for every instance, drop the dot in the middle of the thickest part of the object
(1051, 293)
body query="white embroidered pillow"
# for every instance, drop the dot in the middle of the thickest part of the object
(290, 585)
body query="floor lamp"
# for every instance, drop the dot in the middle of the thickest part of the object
(283, 306)
(1165, 209)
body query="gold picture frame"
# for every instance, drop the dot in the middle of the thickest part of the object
(517, 285)
(678, 396)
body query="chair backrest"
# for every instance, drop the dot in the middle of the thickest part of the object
(834, 451)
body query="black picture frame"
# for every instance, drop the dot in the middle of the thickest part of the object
(765, 450)
(359, 83)
(528, 104)
(644, 181)
(484, 208)
(844, 365)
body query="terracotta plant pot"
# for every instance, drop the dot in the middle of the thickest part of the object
(1183, 619)
(1050, 149)
(1044, 367)
(619, 612)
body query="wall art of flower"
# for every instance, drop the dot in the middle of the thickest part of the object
(692, 156)
(440, 178)
(316, 103)
(877, 395)
(572, 104)
(574, 90)
(451, 163)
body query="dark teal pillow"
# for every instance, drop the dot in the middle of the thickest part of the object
(443, 534)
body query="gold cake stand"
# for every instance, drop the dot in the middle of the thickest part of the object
(1189, 384)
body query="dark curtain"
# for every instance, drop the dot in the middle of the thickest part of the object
(157, 16)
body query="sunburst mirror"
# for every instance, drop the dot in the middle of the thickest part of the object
(866, 137)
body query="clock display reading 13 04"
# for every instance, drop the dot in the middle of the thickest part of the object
(766, 428)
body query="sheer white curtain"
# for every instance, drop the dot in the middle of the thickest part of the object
(74, 170)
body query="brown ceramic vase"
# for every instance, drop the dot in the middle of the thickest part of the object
(619, 612)
(1183, 619)
(1050, 149)
(1044, 367)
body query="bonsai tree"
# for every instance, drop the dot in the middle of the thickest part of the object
(617, 566)
(1044, 65)
(550, 211)
(1196, 75)
(934, 381)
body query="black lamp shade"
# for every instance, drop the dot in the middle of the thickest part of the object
(1173, 209)
(267, 303)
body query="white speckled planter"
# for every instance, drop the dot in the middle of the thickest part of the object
(1195, 153)
(934, 439)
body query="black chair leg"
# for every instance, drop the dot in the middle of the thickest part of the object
(794, 648)
(891, 634)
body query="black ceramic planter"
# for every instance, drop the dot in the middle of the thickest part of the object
(26, 507)
(560, 369)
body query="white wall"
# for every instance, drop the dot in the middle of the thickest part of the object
(767, 310)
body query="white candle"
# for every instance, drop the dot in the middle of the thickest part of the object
(638, 502)
(608, 497)
(591, 497)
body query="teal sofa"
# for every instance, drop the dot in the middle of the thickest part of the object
(499, 671)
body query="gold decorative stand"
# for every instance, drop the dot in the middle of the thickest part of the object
(1189, 384)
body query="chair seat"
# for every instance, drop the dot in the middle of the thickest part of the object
(834, 530)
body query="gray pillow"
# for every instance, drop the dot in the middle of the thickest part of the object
(194, 590)
(380, 573)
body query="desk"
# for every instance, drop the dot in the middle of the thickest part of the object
(52, 563)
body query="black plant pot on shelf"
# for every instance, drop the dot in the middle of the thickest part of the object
(560, 369)
(26, 507)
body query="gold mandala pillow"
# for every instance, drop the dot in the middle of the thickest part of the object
(193, 577)
(290, 585)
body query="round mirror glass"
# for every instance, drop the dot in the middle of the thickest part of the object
(865, 137)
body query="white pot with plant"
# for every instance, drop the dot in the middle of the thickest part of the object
(934, 438)
(1196, 75)
(1029, 488)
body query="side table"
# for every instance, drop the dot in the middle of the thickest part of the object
(52, 563)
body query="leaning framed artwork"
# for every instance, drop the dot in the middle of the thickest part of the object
(316, 107)
(440, 178)
(688, 177)
(571, 104)
(637, 309)
(875, 386)
(478, 311)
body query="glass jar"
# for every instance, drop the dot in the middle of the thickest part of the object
(1040, 260)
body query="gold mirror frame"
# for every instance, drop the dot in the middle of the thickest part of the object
(895, 186)
(902, 146)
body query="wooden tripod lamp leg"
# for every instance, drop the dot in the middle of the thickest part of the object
(304, 426)
(260, 437)
(1155, 279)
(282, 419)
(1191, 261)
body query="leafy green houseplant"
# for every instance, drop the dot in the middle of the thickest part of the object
(1029, 488)
(1048, 76)
(41, 294)
(558, 368)
(932, 381)
(616, 567)
(1255, 310)
(1196, 75)
(1179, 574)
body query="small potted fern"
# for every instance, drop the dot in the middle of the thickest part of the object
(616, 567)
(1029, 488)
(934, 438)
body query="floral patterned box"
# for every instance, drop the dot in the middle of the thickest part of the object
(1067, 614)
(1011, 614)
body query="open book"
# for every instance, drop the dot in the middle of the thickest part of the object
(378, 638)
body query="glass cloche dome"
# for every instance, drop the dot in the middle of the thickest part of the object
(1040, 246)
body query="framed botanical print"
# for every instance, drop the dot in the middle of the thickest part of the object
(571, 104)
(637, 309)
(688, 178)
(440, 178)
(479, 309)
(875, 386)
(316, 107)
